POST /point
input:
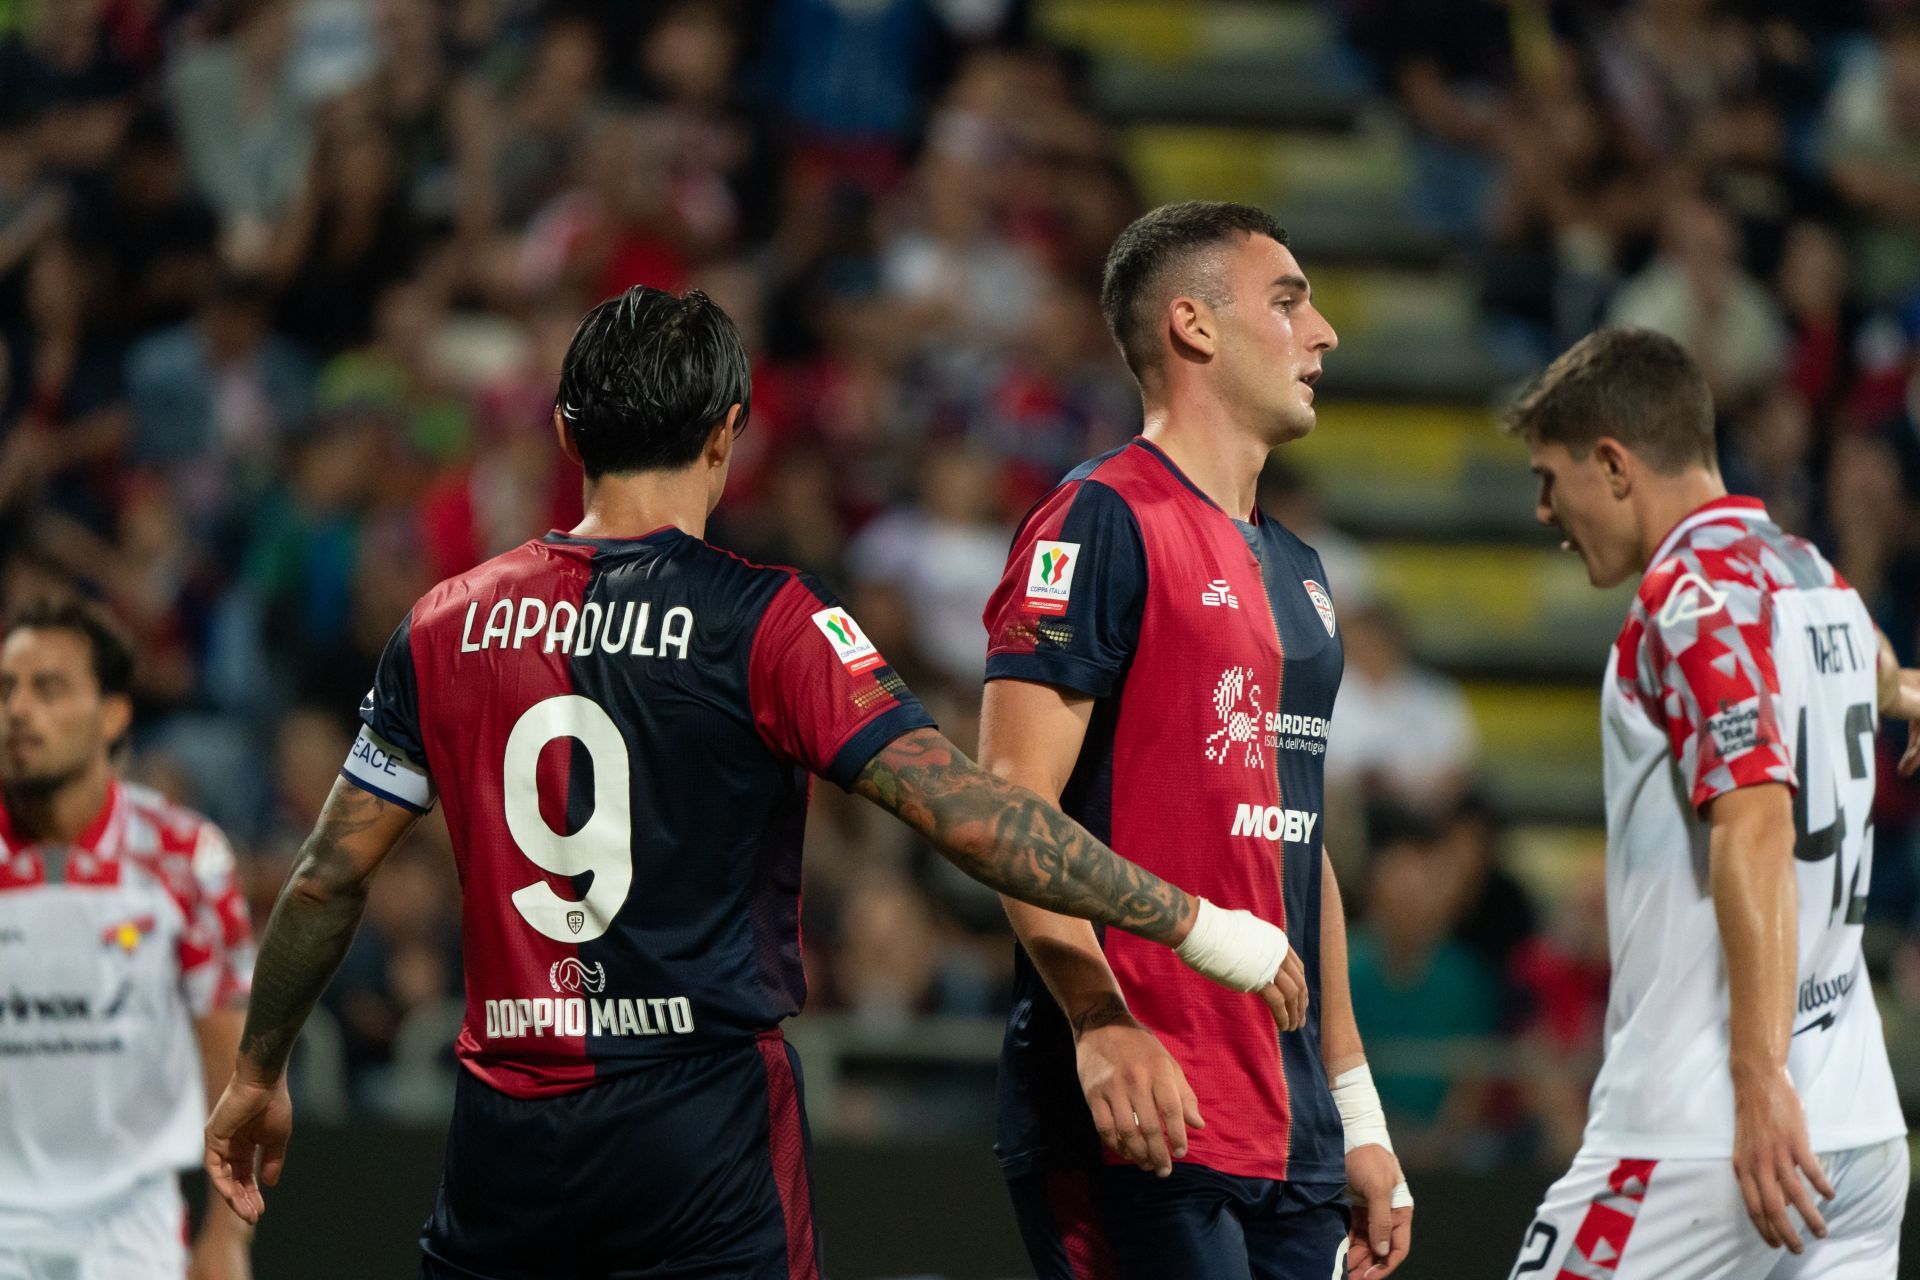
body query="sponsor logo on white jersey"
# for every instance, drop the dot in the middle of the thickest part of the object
(1270, 822)
(1322, 602)
(1220, 592)
(849, 642)
(1050, 578)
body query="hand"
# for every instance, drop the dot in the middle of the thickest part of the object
(220, 1255)
(1910, 759)
(1286, 995)
(1126, 1073)
(247, 1143)
(1381, 1234)
(1770, 1153)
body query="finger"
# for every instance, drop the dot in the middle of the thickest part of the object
(1103, 1123)
(273, 1160)
(1802, 1198)
(1380, 1224)
(1276, 1005)
(1815, 1171)
(1756, 1213)
(1133, 1143)
(1402, 1241)
(1359, 1248)
(1773, 1199)
(1173, 1119)
(1190, 1104)
(1154, 1138)
(1911, 760)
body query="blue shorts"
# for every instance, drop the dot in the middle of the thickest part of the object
(1107, 1222)
(691, 1167)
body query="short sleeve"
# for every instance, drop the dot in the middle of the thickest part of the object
(1067, 610)
(823, 695)
(216, 948)
(1707, 669)
(389, 758)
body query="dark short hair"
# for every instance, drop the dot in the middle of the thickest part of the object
(648, 375)
(1635, 385)
(1156, 255)
(112, 654)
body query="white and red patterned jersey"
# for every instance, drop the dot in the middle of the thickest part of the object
(108, 953)
(1745, 659)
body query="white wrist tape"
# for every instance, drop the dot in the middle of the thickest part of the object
(1236, 949)
(1358, 1103)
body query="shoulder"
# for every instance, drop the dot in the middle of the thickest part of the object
(183, 850)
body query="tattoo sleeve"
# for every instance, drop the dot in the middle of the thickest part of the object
(1007, 837)
(314, 919)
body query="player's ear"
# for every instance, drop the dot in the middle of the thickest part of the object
(116, 717)
(1193, 325)
(719, 446)
(567, 446)
(1616, 465)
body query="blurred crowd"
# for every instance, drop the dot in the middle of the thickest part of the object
(285, 286)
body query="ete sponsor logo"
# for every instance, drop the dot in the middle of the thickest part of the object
(1269, 822)
(1322, 602)
(855, 651)
(1220, 592)
(1050, 578)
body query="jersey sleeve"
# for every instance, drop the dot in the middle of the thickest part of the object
(389, 758)
(1067, 610)
(822, 694)
(216, 948)
(1707, 671)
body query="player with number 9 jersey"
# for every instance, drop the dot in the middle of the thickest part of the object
(621, 724)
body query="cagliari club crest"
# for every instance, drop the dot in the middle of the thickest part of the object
(1322, 602)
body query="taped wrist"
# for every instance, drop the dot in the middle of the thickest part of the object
(1236, 949)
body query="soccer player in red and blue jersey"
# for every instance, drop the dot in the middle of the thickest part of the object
(622, 722)
(1164, 658)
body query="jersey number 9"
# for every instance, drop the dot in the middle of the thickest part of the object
(602, 847)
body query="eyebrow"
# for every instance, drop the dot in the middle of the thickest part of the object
(1292, 282)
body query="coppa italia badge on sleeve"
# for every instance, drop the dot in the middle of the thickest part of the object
(1050, 580)
(856, 652)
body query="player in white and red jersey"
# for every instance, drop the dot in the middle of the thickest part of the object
(125, 956)
(1745, 1066)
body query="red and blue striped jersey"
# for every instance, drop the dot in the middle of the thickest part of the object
(1212, 651)
(622, 733)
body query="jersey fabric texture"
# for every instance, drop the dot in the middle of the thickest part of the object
(1116, 1222)
(1211, 649)
(622, 733)
(656, 1173)
(1745, 659)
(111, 946)
(1614, 1219)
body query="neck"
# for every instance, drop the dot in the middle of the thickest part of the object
(633, 504)
(1220, 456)
(1672, 499)
(60, 814)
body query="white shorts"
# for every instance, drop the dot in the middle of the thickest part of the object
(139, 1237)
(1613, 1219)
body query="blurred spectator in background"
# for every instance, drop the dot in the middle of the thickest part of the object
(1873, 158)
(1697, 293)
(1401, 731)
(1562, 979)
(1423, 998)
(1289, 497)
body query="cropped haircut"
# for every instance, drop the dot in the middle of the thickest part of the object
(1634, 385)
(112, 654)
(648, 376)
(1158, 257)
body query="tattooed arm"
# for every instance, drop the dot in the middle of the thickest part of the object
(1007, 837)
(306, 938)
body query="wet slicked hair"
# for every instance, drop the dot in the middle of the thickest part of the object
(1158, 257)
(648, 376)
(1634, 385)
